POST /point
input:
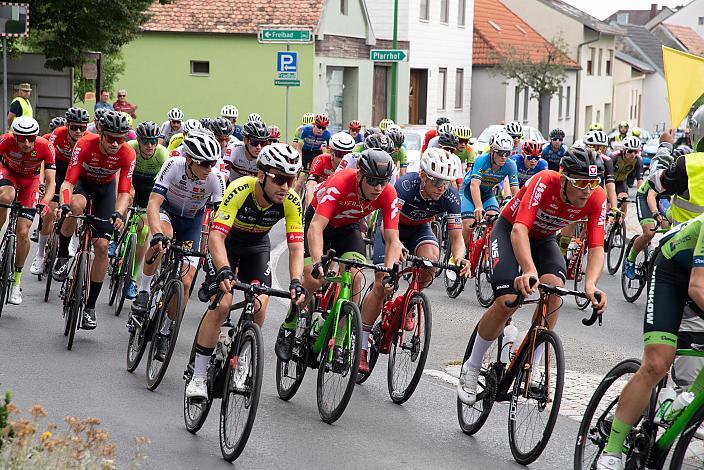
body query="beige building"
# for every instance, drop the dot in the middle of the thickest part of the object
(630, 75)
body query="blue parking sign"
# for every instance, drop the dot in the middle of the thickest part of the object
(287, 62)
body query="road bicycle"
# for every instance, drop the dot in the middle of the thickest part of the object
(234, 373)
(208, 216)
(403, 331)
(8, 250)
(50, 252)
(615, 243)
(123, 267)
(531, 384)
(166, 295)
(479, 257)
(328, 337)
(439, 228)
(648, 444)
(576, 262)
(632, 288)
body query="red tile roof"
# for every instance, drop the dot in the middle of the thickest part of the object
(688, 37)
(497, 30)
(231, 16)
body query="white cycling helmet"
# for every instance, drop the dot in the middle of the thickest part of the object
(446, 128)
(631, 143)
(280, 156)
(191, 125)
(459, 167)
(255, 117)
(201, 146)
(229, 111)
(175, 114)
(514, 129)
(342, 142)
(25, 125)
(501, 142)
(596, 138)
(439, 163)
(393, 127)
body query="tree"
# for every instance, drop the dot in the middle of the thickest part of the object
(542, 69)
(113, 64)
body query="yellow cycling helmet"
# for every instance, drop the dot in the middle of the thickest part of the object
(308, 118)
(623, 124)
(463, 132)
(385, 123)
(130, 121)
(635, 132)
(596, 126)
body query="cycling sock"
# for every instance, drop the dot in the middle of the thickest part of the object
(42, 244)
(146, 283)
(697, 386)
(538, 354)
(202, 359)
(291, 321)
(619, 431)
(93, 293)
(481, 346)
(63, 246)
(166, 326)
(366, 329)
(18, 276)
(632, 255)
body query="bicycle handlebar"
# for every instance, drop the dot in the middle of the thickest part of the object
(255, 289)
(177, 249)
(329, 257)
(427, 263)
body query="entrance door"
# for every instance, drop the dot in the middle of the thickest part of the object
(380, 103)
(333, 107)
(418, 96)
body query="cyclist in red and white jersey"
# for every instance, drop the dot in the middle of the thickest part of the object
(523, 240)
(325, 164)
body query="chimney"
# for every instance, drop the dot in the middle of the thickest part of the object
(653, 10)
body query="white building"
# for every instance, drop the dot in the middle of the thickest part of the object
(691, 15)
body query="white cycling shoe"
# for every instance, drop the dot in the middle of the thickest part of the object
(37, 265)
(15, 295)
(609, 462)
(467, 387)
(197, 388)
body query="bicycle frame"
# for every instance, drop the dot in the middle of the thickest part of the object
(476, 247)
(573, 270)
(343, 295)
(397, 311)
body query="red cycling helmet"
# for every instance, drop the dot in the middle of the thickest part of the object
(355, 125)
(274, 133)
(321, 120)
(532, 148)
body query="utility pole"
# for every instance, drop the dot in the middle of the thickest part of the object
(394, 66)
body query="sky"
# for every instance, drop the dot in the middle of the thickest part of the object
(603, 8)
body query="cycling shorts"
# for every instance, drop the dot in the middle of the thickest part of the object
(61, 168)
(347, 240)
(186, 231)
(250, 262)
(489, 203)
(621, 187)
(645, 215)
(411, 237)
(103, 200)
(307, 157)
(27, 188)
(142, 191)
(546, 255)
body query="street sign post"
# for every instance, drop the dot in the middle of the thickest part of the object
(14, 18)
(293, 34)
(387, 55)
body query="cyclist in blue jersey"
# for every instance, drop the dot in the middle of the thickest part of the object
(311, 141)
(529, 162)
(554, 150)
(355, 130)
(488, 170)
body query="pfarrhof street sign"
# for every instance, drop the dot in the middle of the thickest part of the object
(288, 34)
(387, 55)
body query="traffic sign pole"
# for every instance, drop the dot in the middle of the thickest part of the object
(394, 66)
(288, 48)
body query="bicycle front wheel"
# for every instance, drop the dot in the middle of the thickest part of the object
(195, 411)
(689, 451)
(616, 243)
(632, 288)
(536, 397)
(409, 349)
(580, 277)
(7, 255)
(240, 397)
(454, 283)
(75, 294)
(289, 375)
(482, 281)
(595, 427)
(157, 365)
(125, 273)
(49, 257)
(339, 360)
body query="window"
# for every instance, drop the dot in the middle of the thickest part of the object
(424, 10)
(516, 103)
(442, 88)
(461, 12)
(343, 7)
(701, 20)
(459, 88)
(609, 61)
(590, 61)
(601, 56)
(444, 11)
(567, 104)
(525, 105)
(560, 97)
(622, 18)
(200, 67)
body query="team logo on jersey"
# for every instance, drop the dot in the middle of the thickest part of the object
(330, 194)
(537, 194)
(34, 153)
(187, 245)
(592, 170)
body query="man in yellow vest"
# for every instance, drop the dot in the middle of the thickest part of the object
(20, 106)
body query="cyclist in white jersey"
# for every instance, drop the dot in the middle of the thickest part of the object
(172, 126)
(241, 160)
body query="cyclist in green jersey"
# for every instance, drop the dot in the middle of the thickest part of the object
(399, 154)
(464, 151)
(177, 139)
(677, 280)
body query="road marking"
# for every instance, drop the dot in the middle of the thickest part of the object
(274, 262)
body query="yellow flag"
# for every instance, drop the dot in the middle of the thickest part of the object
(684, 75)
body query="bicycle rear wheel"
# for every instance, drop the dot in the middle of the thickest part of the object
(632, 288)
(336, 377)
(689, 450)
(580, 278)
(454, 283)
(616, 242)
(289, 375)
(125, 273)
(482, 281)
(75, 293)
(173, 296)
(373, 350)
(595, 427)
(409, 350)
(472, 418)
(6, 255)
(49, 258)
(137, 343)
(536, 397)
(241, 394)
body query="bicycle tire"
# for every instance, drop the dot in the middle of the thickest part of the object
(49, 258)
(453, 288)
(76, 298)
(680, 452)
(375, 337)
(629, 292)
(614, 255)
(418, 348)
(195, 412)
(600, 430)
(488, 383)
(127, 264)
(5, 282)
(483, 288)
(580, 278)
(157, 369)
(286, 385)
(250, 336)
(522, 377)
(136, 345)
(349, 365)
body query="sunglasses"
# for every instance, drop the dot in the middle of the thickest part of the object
(77, 128)
(532, 158)
(556, 139)
(596, 148)
(373, 181)
(631, 151)
(503, 153)
(258, 143)
(150, 141)
(437, 182)
(176, 122)
(25, 138)
(206, 164)
(322, 128)
(464, 141)
(339, 153)
(121, 96)
(584, 183)
(273, 141)
(112, 139)
(280, 180)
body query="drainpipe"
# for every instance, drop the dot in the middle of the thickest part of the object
(578, 85)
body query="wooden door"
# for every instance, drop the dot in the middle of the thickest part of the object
(380, 102)
(418, 93)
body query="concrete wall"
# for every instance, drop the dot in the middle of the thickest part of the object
(689, 16)
(334, 22)
(381, 15)
(656, 110)
(628, 87)
(595, 90)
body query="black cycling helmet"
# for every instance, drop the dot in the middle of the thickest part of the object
(448, 139)
(369, 131)
(222, 127)
(114, 122)
(582, 163)
(441, 120)
(255, 130)
(396, 136)
(376, 163)
(557, 133)
(79, 115)
(58, 121)
(379, 141)
(148, 130)
(205, 122)
(99, 113)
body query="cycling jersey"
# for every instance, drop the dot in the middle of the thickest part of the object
(428, 137)
(524, 173)
(684, 244)
(175, 141)
(338, 200)
(92, 128)
(148, 167)
(185, 196)
(539, 206)
(240, 161)
(312, 142)
(417, 210)
(92, 165)
(60, 140)
(483, 171)
(321, 168)
(241, 218)
(467, 155)
(359, 138)
(26, 163)
(400, 156)
(553, 157)
(297, 133)
(350, 161)
(237, 133)
(623, 167)
(167, 132)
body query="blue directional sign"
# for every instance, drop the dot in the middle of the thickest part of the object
(286, 65)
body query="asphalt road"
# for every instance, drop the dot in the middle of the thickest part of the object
(91, 380)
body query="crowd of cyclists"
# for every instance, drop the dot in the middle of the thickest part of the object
(327, 187)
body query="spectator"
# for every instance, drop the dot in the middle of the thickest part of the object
(121, 105)
(20, 106)
(104, 101)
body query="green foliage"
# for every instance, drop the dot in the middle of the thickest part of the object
(4, 414)
(113, 65)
